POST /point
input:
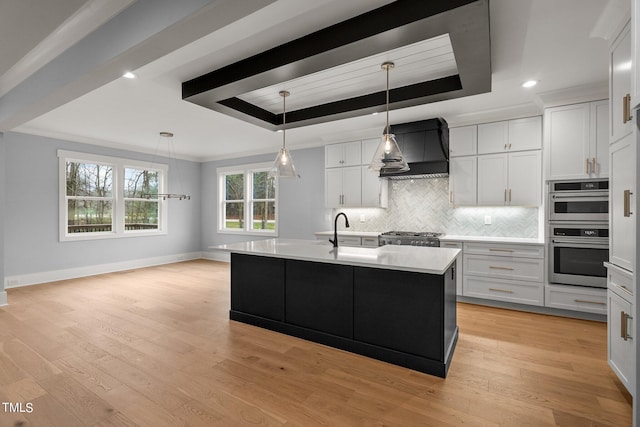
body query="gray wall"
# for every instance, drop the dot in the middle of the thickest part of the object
(301, 201)
(31, 238)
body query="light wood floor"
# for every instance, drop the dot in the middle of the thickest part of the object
(154, 347)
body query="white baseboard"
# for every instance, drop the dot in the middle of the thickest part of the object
(3, 298)
(217, 256)
(91, 270)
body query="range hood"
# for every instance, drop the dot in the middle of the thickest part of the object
(425, 146)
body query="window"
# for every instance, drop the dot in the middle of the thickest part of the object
(104, 197)
(248, 202)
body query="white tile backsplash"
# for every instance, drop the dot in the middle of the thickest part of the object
(423, 205)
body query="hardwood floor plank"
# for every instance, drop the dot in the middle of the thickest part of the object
(155, 347)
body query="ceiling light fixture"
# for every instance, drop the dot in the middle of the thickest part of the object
(283, 165)
(529, 83)
(388, 157)
(168, 136)
(129, 75)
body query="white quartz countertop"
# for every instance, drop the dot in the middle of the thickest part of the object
(406, 258)
(487, 239)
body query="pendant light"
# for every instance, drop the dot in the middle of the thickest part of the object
(283, 165)
(388, 157)
(168, 137)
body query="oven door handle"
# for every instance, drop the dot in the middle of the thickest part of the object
(580, 243)
(577, 197)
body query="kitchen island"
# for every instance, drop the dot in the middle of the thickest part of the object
(391, 303)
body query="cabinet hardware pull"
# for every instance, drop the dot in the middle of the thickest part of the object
(585, 301)
(509, 146)
(505, 146)
(624, 326)
(509, 195)
(505, 195)
(594, 165)
(624, 288)
(500, 250)
(626, 108)
(495, 267)
(501, 290)
(450, 196)
(586, 166)
(627, 203)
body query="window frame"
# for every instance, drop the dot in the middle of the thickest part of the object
(247, 171)
(118, 210)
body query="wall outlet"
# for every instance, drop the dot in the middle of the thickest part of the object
(362, 218)
(487, 220)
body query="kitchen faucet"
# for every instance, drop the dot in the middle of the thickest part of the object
(335, 228)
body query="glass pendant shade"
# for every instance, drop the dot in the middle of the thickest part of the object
(388, 156)
(283, 165)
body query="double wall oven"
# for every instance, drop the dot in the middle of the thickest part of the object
(578, 232)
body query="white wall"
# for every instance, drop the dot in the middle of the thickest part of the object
(32, 250)
(3, 294)
(301, 201)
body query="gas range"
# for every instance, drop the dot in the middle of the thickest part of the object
(409, 238)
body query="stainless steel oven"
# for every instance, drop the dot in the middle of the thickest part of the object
(584, 200)
(577, 252)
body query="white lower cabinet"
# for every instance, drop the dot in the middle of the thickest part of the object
(621, 334)
(576, 298)
(459, 264)
(504, 272)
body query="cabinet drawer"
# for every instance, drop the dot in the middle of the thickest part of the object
(529, 269)
(455, 245)
(370, 242)
(504, 249)
(349, 241)
(503, 290)
(576, 298)
(620, 281)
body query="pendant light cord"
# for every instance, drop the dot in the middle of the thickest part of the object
(284, 119)
(387, 99)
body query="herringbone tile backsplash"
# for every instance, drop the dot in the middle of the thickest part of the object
(423, 205)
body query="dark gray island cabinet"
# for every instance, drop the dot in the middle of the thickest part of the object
(407, 318)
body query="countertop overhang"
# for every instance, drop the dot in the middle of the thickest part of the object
(393, 257)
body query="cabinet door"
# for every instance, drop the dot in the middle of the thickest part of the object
(333, 155)
(257, 285)
(525, 134)
(352, 153)
(492, 180)
(493, 137)
(620, 86)
(599, 139)
(374, 191)
(622, 192)
(525, 178)
(333, 187)
(463, 179)
(566, 134)
(620, 339)
(352, 186)
(369, 147)
(463, 141)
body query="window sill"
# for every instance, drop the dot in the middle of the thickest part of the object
(79, 237)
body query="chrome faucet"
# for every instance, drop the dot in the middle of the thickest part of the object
(335, 228)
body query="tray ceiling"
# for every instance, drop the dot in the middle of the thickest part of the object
(441, 50)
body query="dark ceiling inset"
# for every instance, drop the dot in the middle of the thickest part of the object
(389, 28)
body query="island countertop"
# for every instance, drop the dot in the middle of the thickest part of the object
(406, 258)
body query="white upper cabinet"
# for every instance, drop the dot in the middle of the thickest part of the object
(344, 154)
(576, 141)
(375, 190)
(525, 134)
(620, 86)
(510, 179)
(463, 180)
(493, 137)
(510, 135)
(463, 141)
(369, 147)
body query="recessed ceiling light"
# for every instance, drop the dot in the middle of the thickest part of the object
(530, 83)
(129, 75)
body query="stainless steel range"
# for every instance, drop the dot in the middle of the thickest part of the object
(409, 238)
